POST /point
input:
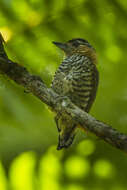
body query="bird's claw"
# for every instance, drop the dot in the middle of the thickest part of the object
(61, 99)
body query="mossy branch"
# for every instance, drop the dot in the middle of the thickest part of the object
(36, 86)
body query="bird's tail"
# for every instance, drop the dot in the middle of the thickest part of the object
(67, 131)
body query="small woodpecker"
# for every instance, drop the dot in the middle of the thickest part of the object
(77, 78)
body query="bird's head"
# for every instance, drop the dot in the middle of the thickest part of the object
(77, 46)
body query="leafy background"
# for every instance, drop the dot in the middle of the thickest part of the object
(28, 135)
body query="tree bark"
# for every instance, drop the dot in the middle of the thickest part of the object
(36, 86)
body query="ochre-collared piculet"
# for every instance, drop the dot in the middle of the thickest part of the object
(76, 78)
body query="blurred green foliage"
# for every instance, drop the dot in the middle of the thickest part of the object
(29, 27)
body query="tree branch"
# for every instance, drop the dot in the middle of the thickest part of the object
(36, 86)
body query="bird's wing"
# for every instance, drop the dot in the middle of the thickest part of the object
(83, 82)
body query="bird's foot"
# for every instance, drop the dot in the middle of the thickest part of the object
(62, 99)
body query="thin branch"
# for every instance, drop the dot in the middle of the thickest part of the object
(36, 86)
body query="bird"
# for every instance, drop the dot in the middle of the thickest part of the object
(77, 78)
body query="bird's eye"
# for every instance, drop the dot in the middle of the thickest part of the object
(75, 44)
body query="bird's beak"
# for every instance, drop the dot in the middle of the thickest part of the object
(62, 46)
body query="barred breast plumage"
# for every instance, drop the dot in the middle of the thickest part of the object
(77, 78)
